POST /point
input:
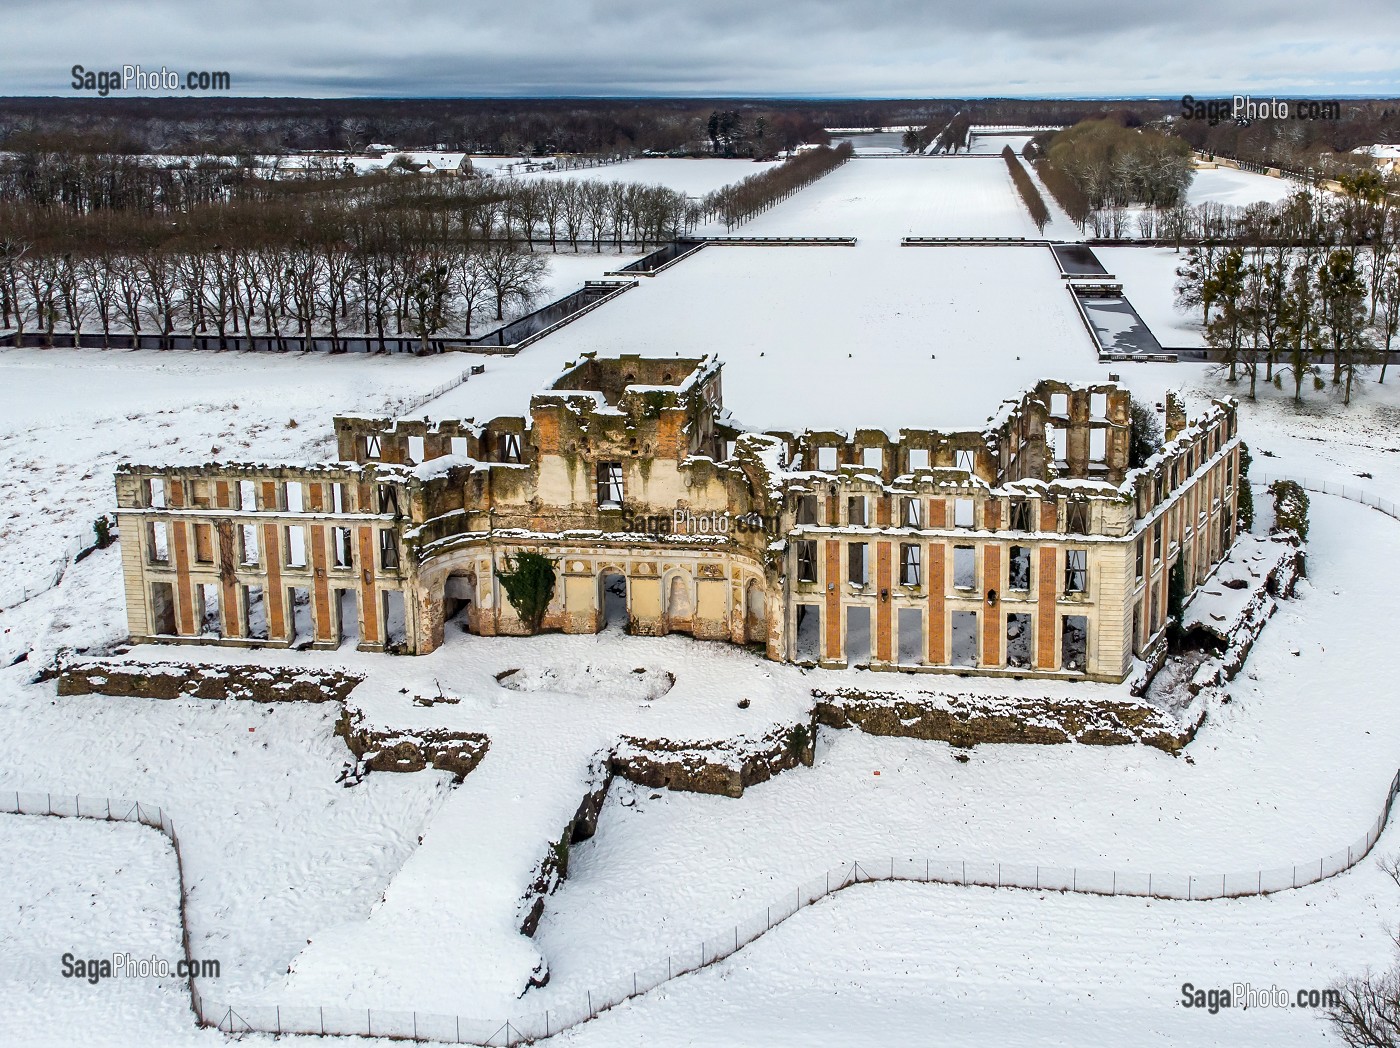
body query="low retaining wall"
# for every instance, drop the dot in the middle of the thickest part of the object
(966, 720)
(186, 681)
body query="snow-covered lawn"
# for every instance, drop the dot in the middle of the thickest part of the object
(92, 890)
(1225, 185)
(885, 199)
(874, 335)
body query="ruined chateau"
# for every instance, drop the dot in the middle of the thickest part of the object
(1029, 548)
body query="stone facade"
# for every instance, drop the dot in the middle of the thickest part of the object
(1028, 548)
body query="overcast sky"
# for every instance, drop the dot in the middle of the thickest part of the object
(860, 48)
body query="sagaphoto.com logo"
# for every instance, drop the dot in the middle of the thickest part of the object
(103, 82)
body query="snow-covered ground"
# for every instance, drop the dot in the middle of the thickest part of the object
(874, 335)
(280, 853)
(693, 176)
(1225, 185)
(885, 199)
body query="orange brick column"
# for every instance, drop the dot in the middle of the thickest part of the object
(317, 535)
(1046, 658)
(991, 614)
(833, 599)
(937, 636)
(227, 542)
(180, 558)
(884, 610)
(369, 607)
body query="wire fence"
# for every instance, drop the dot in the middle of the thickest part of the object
(1330, 487)
(16, 593)
(458, 1029)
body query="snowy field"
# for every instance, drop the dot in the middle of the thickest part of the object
(883, 200)
(874, 335)
(294, 870)
(1225, 185)
(692, 176)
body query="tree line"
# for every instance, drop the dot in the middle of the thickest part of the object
(740, 201)
(1308, 288)
(1026, 187)
(1110, 164)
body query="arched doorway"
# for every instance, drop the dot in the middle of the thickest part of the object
(755, 613)
(680, 605)
(612, 600)
(459, 601)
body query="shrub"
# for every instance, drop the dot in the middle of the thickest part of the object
(1246, 496)
(1290, 508)
(529, 585)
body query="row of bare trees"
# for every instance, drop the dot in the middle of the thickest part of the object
(332, 273)
(1026, 187)
(742, 200)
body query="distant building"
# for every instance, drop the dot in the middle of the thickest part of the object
(1027, 549)
(1384, 157)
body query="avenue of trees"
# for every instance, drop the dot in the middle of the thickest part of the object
(1110, 165)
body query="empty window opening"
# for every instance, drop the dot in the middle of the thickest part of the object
(155, 492)
(1098, 405)
(1157, 542)
(1098, 445)
(1058, 438)
(1074, 643)
(963, 513)
(248, 545)
(1018, 641)
(210, 621)
(911, 636)
(857, 563)
(508, 447)
(806, 509)
(911, 513)
(299, 600)
(341, 552)
(372, 447)
(918, 459)
(254, 613)
(158, 541)
(1021, 515)
(163, 609)
(964, 638)
(388, 549)
(296, 546)
(855, 511)
(339, 502)
(967, 460)
(395, 621)
(1077, 516)
(965, 567)
(612, 599)
(873, 458)
(826, 460)
(1018, 568)
(610, 485)
(1138, 558)
(808, 633)
(858, 636)
(247, 496)
(1076, 571)
(348, 616)
(806, 560)
(1059, 404)
(295, 497)
(389, 499)
(910, 564)
(415, 450)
